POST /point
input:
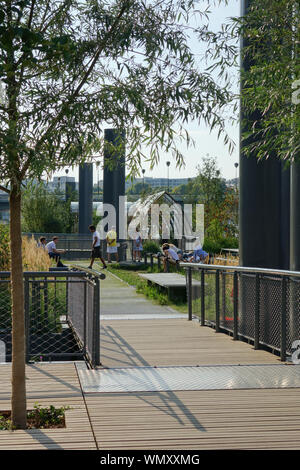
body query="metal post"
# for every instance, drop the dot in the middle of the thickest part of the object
(257, 309)
(151, 261)
(235, 306)
(202, 297)
(96, 328)
(217, 301)
(283, 321)
(27, 318)
(190, 292)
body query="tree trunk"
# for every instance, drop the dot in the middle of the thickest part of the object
(18, 402)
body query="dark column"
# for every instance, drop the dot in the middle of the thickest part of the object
(264, 200)
(114, 173)
(85, 197)
(295, 218)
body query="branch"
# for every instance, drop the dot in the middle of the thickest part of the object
(79, 87)
(3, 188)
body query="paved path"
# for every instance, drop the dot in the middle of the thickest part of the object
(119, 301)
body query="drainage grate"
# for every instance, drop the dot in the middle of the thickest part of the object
(148, 379)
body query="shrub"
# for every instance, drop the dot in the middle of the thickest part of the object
(150, 246)
(215, 245)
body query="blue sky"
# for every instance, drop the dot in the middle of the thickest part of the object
(205, 142)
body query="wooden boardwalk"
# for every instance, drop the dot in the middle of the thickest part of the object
(49, 384)
(188, 419)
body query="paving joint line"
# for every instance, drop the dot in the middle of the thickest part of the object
(86, 407)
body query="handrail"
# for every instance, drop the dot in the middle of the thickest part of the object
(92, 272)
(218, 267)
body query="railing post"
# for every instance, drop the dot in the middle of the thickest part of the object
(27, 318)
(96, 329)
(202, 297)
(217, 301)
(151, 261)
(283, 321)
(190, 293)
(235, 306)
(257, 311)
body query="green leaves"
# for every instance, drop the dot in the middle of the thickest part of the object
(74, 67)
(272, 49)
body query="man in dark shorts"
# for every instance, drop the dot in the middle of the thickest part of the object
(96, 249)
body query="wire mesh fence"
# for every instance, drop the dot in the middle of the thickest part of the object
(62, 311)
(257, 305)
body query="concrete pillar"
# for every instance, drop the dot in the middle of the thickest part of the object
(85, 197)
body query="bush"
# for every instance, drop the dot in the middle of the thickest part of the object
(150, 246)
(215, 245)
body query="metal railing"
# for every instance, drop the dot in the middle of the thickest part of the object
(62, 311)
(261, 306)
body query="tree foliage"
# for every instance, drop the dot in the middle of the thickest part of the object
(68, 67)
(45, 211)
(271, 79)
(220, 201)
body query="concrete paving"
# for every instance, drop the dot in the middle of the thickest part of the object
(119, 301)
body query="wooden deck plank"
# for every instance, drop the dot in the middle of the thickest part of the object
(49, 384)
(173, 342)
(235, 419)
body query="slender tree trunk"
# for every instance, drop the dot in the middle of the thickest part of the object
(18, 402)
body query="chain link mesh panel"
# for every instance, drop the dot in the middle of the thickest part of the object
(226, 300)
(247, 297)
(263, 302)
(60, 317)
(293, 313)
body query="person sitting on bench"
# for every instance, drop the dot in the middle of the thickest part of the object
(55, 253)
(170, 256)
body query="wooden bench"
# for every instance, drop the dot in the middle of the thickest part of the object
(173, 283)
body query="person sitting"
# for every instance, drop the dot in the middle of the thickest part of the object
(170, 256)
(42, 243)
(178, 250)
(199, 255)
(55, 253)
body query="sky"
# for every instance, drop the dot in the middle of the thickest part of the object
(205, 141)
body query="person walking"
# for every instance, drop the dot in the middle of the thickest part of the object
(96, 248)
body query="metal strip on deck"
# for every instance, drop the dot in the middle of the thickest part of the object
(150, 379)
(141, 316)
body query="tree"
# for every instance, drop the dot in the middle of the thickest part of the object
(45, 211)
(271, 83)
(69, 67)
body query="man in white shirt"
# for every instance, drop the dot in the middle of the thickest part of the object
(54, 252)
(96, 250)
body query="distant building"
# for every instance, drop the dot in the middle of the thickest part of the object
(60, 183)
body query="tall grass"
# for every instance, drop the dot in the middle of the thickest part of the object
(34, 258)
